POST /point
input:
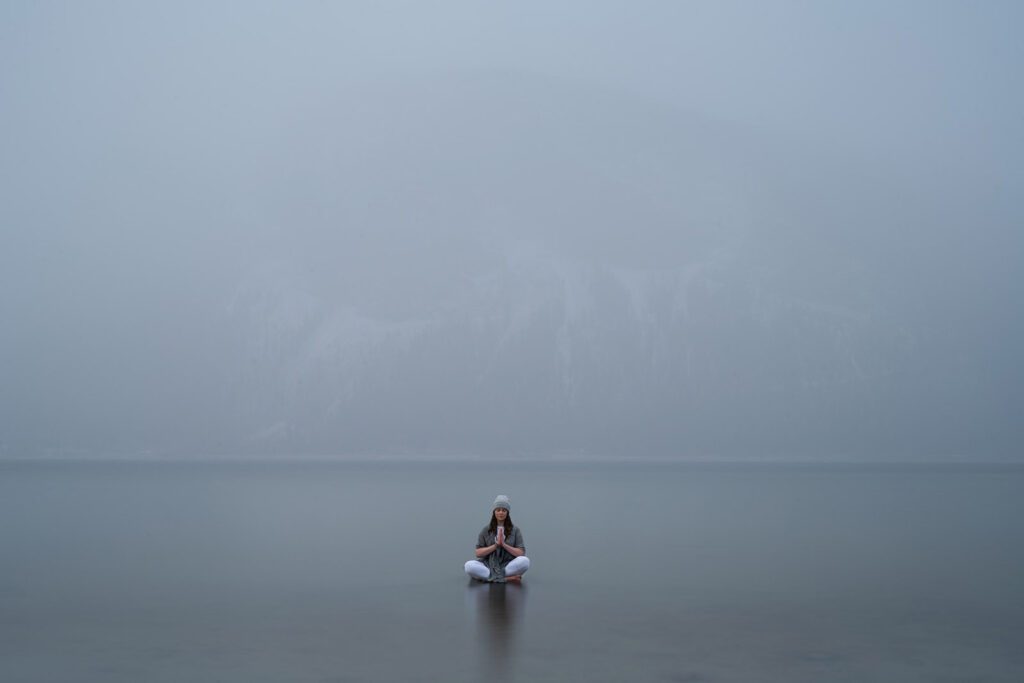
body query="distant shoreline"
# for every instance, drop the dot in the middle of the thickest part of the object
(556, 460)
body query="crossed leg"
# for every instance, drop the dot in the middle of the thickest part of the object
(515, 569)
(478, 570)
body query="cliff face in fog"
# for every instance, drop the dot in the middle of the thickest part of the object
(543, 354)
(505, 265)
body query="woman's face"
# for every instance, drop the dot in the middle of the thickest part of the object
(500, 514)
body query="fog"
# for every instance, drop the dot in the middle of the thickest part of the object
(585, 229)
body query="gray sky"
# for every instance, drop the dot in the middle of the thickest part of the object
(233, 224)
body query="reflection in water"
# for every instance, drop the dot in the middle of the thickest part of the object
(498, 609)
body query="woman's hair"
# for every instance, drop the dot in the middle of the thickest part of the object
(507, 525)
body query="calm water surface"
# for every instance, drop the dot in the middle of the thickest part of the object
(342, 572)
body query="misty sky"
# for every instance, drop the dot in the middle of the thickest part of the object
(525, 227)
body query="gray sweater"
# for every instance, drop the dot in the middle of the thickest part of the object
(497, 560)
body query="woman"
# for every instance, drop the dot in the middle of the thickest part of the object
(500, 551)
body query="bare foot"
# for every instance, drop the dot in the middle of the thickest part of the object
(517, 577)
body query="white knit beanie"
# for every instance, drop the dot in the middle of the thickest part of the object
(501, 502)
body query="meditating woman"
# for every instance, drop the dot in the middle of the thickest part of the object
(500, 551)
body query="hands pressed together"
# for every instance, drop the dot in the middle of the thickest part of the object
(499, 541)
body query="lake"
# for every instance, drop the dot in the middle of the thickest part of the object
(333, 571)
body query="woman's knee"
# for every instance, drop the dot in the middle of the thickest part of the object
(478, 570)
(518, 565)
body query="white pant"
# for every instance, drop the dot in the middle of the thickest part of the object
(479, 570)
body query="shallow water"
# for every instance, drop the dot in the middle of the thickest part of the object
(350, 572)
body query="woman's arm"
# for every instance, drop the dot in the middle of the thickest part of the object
(511, 549)
(486, 550)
